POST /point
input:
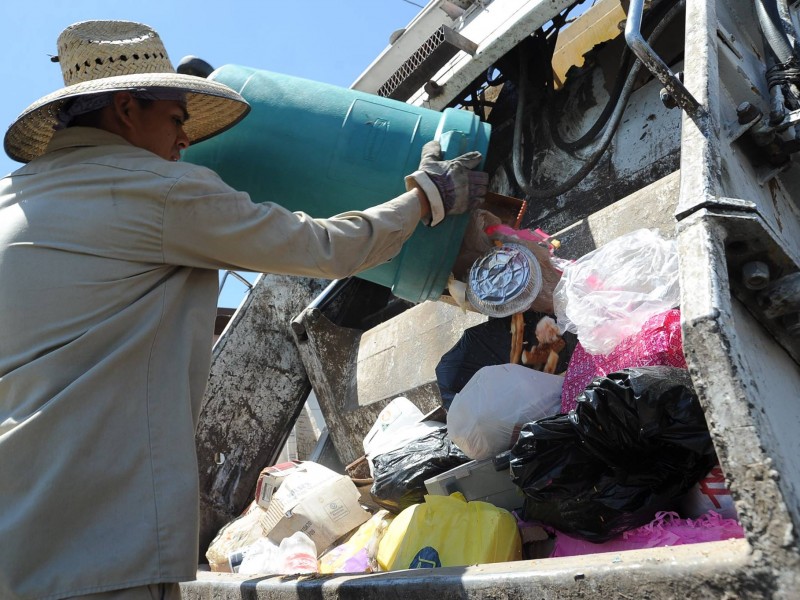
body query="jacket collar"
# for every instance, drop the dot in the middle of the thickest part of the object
(74, 137)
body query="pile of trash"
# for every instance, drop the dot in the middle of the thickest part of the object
(568, 433)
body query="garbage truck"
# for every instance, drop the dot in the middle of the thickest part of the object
(596, 119)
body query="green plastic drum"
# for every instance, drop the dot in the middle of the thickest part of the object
(323, 150)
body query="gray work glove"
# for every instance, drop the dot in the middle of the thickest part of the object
(452, 187)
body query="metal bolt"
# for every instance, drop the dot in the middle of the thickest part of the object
(299, 330)
(667, 99)
(755, 275)
(746, 113)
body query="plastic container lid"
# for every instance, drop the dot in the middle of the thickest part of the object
(504, 281)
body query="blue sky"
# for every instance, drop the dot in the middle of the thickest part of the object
(331, 41)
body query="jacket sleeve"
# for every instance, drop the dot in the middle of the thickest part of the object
(208, 224)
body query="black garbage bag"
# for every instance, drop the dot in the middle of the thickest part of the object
(488, 344)
(634, 444)
(399, 475)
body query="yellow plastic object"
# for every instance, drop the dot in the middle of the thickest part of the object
(600, 23)
(448, 531)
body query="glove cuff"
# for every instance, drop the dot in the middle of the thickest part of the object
(421, 180)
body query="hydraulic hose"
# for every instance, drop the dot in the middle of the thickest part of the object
(608, 133)
(771, 23)
(598, 125)
(783, 70)
(655, 15)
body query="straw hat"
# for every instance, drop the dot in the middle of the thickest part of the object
(108, 56)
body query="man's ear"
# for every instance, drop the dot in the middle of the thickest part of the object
(123, 103)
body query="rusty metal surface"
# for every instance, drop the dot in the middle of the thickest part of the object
(652, 207)
(735, 209)
(725, 70)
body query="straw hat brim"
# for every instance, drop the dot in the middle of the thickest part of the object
(212, 107)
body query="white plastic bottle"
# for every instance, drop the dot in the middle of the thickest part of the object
(299, 554)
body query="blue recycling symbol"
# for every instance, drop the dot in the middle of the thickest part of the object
(427, 558)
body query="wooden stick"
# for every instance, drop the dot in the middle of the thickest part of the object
(517, 337)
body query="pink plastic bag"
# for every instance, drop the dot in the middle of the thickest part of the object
(667, 529)
(659, 343)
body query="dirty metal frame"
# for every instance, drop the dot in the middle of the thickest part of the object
(645, 53)
(736, 231)
(709, 150)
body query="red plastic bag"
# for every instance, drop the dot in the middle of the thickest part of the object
(667, 529)
(659, 343)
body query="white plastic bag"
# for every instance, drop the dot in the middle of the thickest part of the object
(486, 416)
(262, 558)
(295, 554)
(608, 294)
(398, 423)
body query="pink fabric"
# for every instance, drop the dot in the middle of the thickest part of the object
(659, 343)
(667, 529)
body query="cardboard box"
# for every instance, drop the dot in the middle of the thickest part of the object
(270, 480)
(317, 501)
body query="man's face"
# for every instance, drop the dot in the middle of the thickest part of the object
(158, 126)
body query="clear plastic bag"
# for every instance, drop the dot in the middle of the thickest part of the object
(608, 294)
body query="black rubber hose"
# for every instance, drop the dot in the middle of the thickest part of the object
(771, 24)
(652, 19)
(605, 140)
(598, 125)
(655, 15)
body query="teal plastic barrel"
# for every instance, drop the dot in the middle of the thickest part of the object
(323, 150)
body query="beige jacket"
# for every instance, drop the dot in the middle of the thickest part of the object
(108, 287)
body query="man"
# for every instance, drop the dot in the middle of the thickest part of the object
(109, 251)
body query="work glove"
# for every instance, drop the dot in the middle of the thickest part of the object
(452, 187)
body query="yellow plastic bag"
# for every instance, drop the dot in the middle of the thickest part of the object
(448, 531)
